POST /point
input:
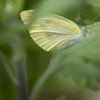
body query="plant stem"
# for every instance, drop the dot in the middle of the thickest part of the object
(22, 87)
(8, 68)
(38, 86)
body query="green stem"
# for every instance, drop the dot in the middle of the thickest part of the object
(37, 88)
(8, 68)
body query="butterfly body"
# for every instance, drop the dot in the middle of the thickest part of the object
(52, 31)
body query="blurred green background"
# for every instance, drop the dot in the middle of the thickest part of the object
(72, 74)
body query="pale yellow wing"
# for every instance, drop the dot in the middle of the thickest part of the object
(51, 31)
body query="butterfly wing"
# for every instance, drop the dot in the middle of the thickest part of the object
(51, 31)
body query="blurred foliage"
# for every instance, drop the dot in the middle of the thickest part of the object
(79, 62)
(95, 4)
(62, 98)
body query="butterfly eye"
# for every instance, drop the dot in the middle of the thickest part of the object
(85, 32)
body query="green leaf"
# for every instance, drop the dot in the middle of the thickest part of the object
(81, 62)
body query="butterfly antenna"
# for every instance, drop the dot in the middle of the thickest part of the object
(94, 18)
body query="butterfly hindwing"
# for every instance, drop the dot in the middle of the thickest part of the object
(51, 31)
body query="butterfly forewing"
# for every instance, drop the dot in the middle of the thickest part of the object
(51, 31)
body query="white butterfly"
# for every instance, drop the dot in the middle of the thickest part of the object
(52, 31)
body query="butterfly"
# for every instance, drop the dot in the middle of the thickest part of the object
(52, 31)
